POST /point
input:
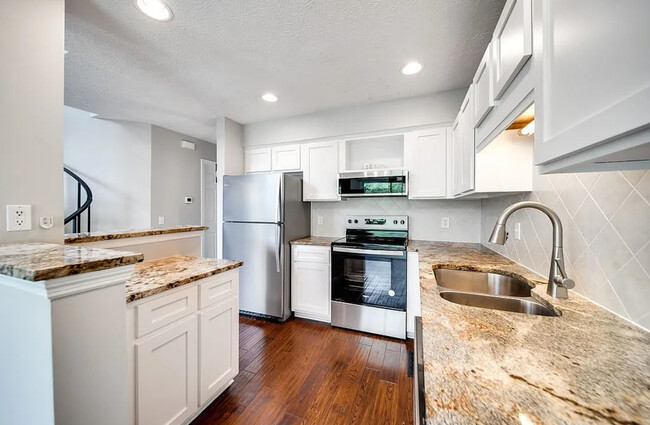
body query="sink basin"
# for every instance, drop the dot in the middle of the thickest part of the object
(516, 305)
(483, 283)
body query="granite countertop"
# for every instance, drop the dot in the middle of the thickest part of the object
(73, 238)
(316, 240)
(41, 261)
(156, 276)
(491, 367)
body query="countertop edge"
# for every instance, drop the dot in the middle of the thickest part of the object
(180, 282)
(71, 239)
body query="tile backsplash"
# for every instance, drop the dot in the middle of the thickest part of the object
(424, 217)
(606, 220)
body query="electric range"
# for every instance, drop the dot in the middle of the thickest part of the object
(369, 275)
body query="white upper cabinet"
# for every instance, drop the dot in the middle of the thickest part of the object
(457, 163)
(592, 85)
(257, 160)
(512, 43)
(483, 90)
(425, 158)
(320, 162)
(467, 129)
(286, 158)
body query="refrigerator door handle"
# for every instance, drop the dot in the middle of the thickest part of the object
(278, 244)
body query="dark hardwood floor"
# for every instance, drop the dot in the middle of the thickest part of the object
(303, 372)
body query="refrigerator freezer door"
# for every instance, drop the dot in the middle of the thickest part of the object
(259, 245)
(253, 198)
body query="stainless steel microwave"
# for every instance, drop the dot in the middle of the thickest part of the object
(379, 182)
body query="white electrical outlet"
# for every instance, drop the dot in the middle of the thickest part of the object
(518, 231)
(19, 218)
(320, 219)
(161, 219)
(444, 223)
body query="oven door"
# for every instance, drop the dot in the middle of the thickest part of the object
(369, 277)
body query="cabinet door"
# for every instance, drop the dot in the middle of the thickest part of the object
(596, 90)
(457, 156)
(166, 375)
(257, 160)
(512, 43)
(218, 347)
(469, 150)
(483, 91)
(320, 171)
(425, 157)
(286, 158)
(310, 290)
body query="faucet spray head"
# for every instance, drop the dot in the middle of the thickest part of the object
(499, 235)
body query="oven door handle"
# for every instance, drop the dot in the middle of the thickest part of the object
(383, 253)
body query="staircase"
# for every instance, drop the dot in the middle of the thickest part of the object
(76, 216)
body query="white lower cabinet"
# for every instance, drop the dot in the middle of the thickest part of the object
(219, 347)
(310, 282)
(179, 367)
(166, 382)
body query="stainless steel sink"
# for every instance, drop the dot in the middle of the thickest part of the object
(483, 283)
(516, 305)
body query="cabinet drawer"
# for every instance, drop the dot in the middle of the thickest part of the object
(218, 287)
(162, 311)
(314, 254)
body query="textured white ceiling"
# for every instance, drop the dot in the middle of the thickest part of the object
(217, 57)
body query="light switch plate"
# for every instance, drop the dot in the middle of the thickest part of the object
(518, 231)
(19, 218)
(161, 219)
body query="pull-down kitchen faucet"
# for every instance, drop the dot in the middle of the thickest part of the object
(558, 282)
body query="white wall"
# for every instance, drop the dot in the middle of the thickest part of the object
(424, 217)
(230, 161)
(606, 220)
(175, 174)
(114, 158)
(31, 114)
(395, 114)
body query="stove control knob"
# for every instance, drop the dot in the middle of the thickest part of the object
(356, 221)
(401, 222)
(349, 221)
(394, 221)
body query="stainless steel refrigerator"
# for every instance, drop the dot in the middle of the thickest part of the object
(262, 213)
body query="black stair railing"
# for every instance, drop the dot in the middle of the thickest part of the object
(75, 217)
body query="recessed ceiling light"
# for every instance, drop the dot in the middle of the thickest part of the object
(270, 97)
(411, 68)
(156, 9)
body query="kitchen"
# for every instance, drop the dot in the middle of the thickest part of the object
(466, 251)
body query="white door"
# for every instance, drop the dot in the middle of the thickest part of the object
(209, 207)
(219, 347)
(320, 162)
(310, 289)
(594, 87)
(286, 158)
(166, 375)
(257, 160)
(425, 157)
